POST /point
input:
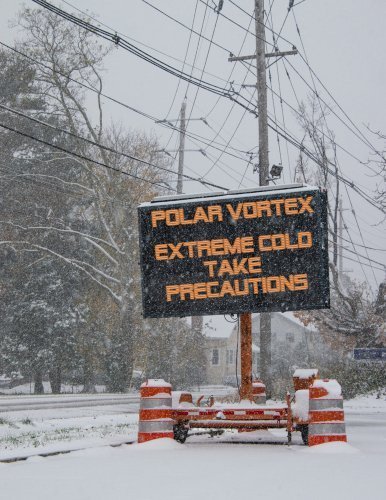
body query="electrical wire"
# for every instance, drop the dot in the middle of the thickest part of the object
(360, 255)
(278, 35)
(82, 157)
(331, 138)
(270, 20)
(183, 25)
(105, 148)
(204, 66)
(234, 133)
(118, 41)
(89, 15)
(130, 47)
(190, 135)
(232, 21)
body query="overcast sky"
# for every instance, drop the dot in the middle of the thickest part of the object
(344, 41)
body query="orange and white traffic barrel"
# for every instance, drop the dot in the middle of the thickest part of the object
(326, 415)
(258, 392)
(303, 378)
(155, 411)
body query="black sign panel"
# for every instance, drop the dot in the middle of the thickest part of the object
(253, 252)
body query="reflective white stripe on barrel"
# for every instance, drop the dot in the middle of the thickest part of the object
(326, 429)
(149, 403)
(326, 404)
(156, 426)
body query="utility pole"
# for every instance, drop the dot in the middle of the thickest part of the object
(265, 318)
(181, 150)
(197, 321)
(340, 231)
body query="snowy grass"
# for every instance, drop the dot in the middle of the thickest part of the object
(36, 438)
(23, 434)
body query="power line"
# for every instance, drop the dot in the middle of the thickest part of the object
(128, 46)
(193, 137)
(364, 264)
(363, 138)
(233, 103)
(359, 244)
(88, 15)
(205, 62)
(313, 75)
(82, 157)
(270, 20)
(282, 100)
(331, 138)
(278, 35)
(157, 121)
(113, 38)
(358, 254)
(105, 148)
(183, 66)
(292, 140)
(183, 25)
(234, 133)
(232, 21)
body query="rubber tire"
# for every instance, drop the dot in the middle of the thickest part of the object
(180, 433)
(304, 433)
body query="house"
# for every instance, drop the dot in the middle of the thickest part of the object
(223, 349)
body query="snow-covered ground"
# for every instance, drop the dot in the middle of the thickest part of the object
(203, 467)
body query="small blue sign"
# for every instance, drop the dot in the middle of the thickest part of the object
(372, 353)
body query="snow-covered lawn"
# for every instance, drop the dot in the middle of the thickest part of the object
(203, 467)
(27, 437)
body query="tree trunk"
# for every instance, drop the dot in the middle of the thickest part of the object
(88, 377)
(56, 379)
(38, 382)
(120, 363)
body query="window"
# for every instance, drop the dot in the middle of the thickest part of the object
(215, 357)
(230, 360)
(290, 337)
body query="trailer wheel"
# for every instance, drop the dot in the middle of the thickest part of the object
(304, 433)
(180, 432)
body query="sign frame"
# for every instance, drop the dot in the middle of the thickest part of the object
(193, 232)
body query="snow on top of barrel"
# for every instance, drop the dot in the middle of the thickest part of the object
(332, 387)
(304, 373)
(155, 382)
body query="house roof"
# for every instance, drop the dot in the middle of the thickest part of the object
(225, 333)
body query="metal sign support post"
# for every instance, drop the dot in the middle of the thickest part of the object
(246, 355)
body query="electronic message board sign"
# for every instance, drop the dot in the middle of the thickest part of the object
(233, 253)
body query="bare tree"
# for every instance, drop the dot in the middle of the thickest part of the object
(312, 119)
(377, 162)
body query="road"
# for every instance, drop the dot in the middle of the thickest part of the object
(81, 405)
(22, 403)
